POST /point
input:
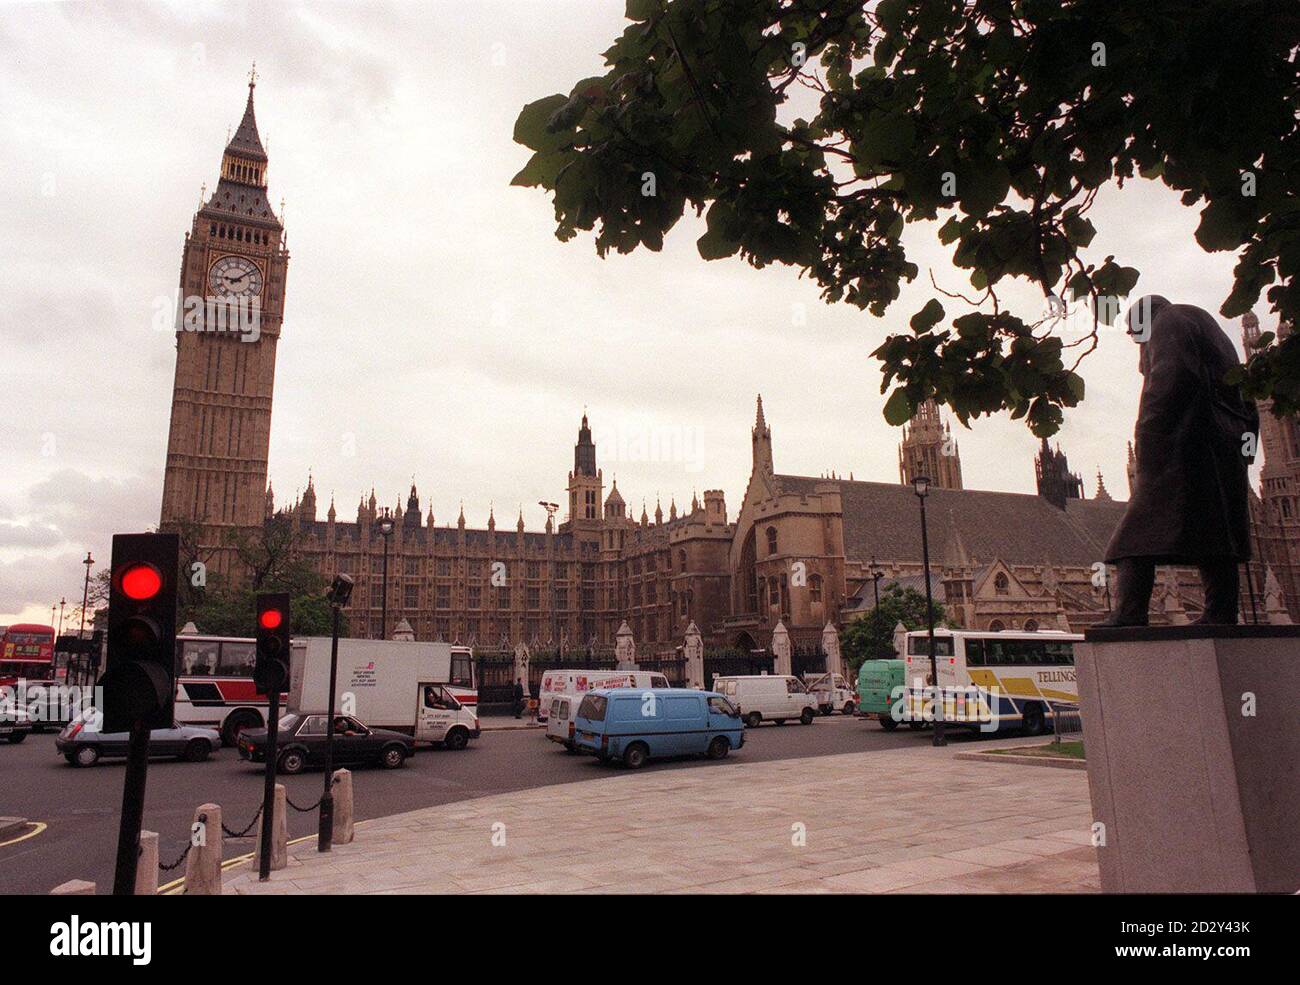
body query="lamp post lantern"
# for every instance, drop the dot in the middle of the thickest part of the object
(386, 530)
(876, 575)
(921, 486)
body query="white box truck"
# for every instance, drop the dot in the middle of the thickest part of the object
(407, 687)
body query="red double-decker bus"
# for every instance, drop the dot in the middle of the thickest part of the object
(27, 652)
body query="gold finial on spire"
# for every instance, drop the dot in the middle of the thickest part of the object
(252, 76)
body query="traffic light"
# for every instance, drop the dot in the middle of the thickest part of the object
(139, 681)
(271, 669)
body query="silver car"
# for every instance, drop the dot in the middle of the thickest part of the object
(82, 744)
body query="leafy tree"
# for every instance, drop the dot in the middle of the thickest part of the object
(275, 563)
(998, 119)
(872, 636)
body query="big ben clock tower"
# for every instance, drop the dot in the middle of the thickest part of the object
(232, 284)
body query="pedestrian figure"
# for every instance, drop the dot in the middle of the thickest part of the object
(519, 697)
(1194, 438)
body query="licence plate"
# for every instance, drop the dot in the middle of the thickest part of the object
(587, 735)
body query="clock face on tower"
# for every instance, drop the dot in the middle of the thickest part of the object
(233, 276)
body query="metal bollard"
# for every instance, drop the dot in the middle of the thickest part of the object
(342, 807)
(74, 887)
(146, 870)
(279, 834)
(203, 866)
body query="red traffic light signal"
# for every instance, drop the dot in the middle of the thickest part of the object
(139, 678)
(140, 581)
(270, 664)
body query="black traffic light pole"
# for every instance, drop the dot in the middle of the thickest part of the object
(270, 675)
(128, 833)
(339, 594)
(139, 680)
(268, 791)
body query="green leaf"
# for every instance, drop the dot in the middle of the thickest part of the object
(898, 409)
(530, 127)
(1222, 227)
(716, 243)
(927, 317)
(641, 10)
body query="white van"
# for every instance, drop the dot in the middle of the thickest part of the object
(768, 697)
(559, 724)
(832, 696)
(404, 686)
(579, 682)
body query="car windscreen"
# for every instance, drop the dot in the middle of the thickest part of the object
(593, 707)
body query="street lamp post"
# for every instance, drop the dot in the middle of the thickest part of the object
(339, 593)
(921, 485)
(386, 530)
(551, 509)
(85, 595)
(62, 603)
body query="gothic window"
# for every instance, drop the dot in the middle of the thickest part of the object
(444, 567)
(1001, 585)
(681, 559)
(503, 598)
(444, 596)
(411, 596)
(996, 626)
(412, 565)
(815, 589)
(1031, 625)
(771, 540)
(474, 597)
(534, 598)
(748, 581)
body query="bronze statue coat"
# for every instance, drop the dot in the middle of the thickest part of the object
(1190, 494)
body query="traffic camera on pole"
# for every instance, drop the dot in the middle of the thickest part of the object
(271, 667)
(139, 681)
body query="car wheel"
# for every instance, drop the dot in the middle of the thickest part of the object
(807, 717)
(393, 757)
(570, 748)
(292, 762)
(719, 747)
(753, 719)
(457, 738)
(236, 723)
(1033, 722)
(849, 709)
(826, 709)
(916, 726)
(16, 737)
(196, 750)
(86, 756)
(635, 755)
(887, 722)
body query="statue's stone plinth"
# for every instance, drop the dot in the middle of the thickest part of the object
(1192, 736)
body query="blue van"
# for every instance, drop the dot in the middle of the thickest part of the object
(635, 724)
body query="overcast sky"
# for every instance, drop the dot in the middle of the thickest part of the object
(434, 326)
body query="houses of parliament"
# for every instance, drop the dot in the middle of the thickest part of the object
(800, 551)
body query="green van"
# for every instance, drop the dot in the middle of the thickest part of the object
(877, 684)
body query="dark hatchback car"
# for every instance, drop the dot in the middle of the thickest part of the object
(301, 743)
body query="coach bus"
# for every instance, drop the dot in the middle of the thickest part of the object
(993, 681)
(214, 681)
